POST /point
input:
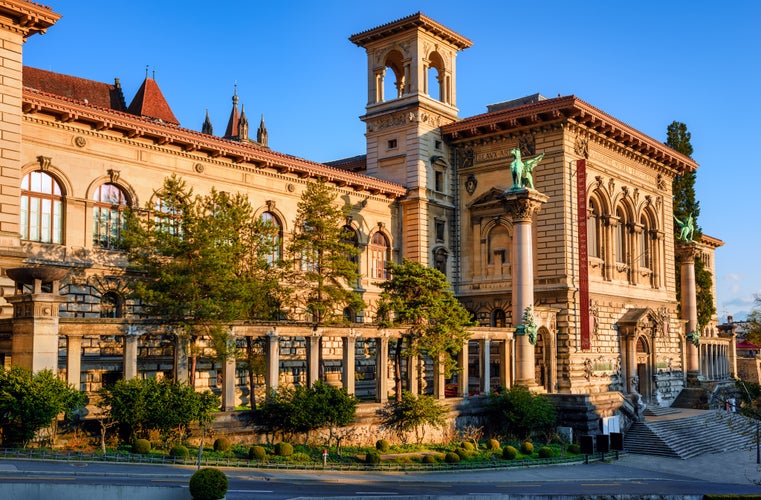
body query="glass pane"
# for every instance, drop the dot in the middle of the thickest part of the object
(57, 222)
(45, 218)
(34, 215)
(25, 217)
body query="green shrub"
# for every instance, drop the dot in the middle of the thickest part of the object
(222, 444)
(141, 446)
(467, 445)
(527, 448)
(509, 453)
(463, 453)
(493, 444)
(451, 457)
(382, 446)
(429, 459)
(257, 453)
(179, 451)
(208, 484)
(372, 457)
(283, 449)
(545, 452)
(302, 457)
(574, 448)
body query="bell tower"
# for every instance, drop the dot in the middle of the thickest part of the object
(411, 93)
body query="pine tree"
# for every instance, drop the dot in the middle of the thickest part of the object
(686, 204)
(201, 263)
(420, 300)
(323, 258)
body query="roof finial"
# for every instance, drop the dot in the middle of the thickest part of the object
(146, 71)
(154, 74)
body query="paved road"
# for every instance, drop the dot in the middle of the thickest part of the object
(634, 475)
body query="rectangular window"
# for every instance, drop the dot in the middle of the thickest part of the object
(438, 181)
(440, 227)
(392, 144)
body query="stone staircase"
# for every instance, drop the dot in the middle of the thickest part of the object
(711, 432)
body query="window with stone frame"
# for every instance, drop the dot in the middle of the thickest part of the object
(277, 244)
(41, 208)
(380, 253)
(108, 216)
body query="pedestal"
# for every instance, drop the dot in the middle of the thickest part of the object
(689, 307)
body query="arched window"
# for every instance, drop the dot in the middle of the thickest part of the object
(594, 226)
(108, 215)
(498, 318)
(436, 79)
(41, 208)
(277, 243)
(379, 255)
(394, 80)
(349, 315)
(645, 257)
(168, 216)
(111, 304)
(619, 245)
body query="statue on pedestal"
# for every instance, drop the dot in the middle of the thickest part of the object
(686, 229)
(521, 170)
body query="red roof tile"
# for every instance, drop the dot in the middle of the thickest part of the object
(80, 89)
(150, 103)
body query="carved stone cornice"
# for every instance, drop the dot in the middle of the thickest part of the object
(522, 204)
(26, 18)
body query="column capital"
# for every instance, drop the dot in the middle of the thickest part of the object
(687, 252)
(522, 204)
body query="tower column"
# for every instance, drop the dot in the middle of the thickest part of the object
(349, 362)
(381, 369)
(462, 361)
(314, 347)
(485, 351)
(521, 205)
(689, 307)
(130, 352)
(273, 361)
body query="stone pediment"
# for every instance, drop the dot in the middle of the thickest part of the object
(490, 198)
(640, 319)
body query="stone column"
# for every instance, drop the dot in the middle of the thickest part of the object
(181, 364)
(462, 376)
(34, 340)
(485, 352)
(521, 205)
(314, 345)
(130, 352)
(381, 369)
(228, 384)
(74, 360)
(631, 363)
(273, 361)
(689, 306)
(413, 374)
(439, 381)
(349, 362)
(505, 362)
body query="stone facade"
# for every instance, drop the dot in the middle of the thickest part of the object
(594, 244)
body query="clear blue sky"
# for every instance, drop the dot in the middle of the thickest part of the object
(647, 63)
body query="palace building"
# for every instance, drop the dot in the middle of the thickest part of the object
(585, 241)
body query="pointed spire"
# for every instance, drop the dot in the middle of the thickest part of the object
(149, 102)
(243, 125)
(261, 133)
(232, 124)
(206, 128)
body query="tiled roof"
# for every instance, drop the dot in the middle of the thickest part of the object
(79, 89)
(352, 164)
(150, 103)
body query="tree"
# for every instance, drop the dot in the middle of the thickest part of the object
(202, 263)
(170, 407)
(520, 412)
(413, 413)
(323, 257)
(753, 322)
(419, 300)
(301, 409)
(686, 204)
(31, 401)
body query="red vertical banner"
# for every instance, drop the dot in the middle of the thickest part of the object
(581, 197)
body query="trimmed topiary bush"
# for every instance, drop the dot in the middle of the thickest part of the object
(545, 452)
(208, 484)
(382, 446)
(283, 449)
(429, 459)
(257, 453)
(141, 446)
(467, 445)
(509, 453)
(452, 457)
(463, 453)
(574, 448)
(222, 444)
(527, 448)
(373, 457)
(179, 451)
(493, 444)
